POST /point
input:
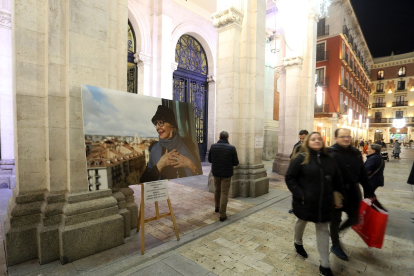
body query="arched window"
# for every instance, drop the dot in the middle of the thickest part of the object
(380, 75)
(401, 71)
(132, 67)
(190, 84)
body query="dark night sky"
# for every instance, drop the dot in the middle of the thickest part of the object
(388, 25)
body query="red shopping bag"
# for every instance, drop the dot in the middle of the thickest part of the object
(372, 224)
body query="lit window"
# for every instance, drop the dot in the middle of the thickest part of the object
(401, 72)
(380, 74)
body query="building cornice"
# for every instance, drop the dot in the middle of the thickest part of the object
(5, 19)
(228, 16)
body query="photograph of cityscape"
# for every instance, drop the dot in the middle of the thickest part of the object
(131, 139)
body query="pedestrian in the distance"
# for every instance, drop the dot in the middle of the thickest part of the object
(397, 149)
(223, 157)
(313, 179)
(375, 166)
(361, 145)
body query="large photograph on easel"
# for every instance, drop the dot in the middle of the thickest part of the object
(131, 139)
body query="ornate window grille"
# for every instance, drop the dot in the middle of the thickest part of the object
(132, 68)
(190, 84)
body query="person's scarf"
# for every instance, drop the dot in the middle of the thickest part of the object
(170, 144)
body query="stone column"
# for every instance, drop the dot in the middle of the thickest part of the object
(162, 30)
(212, 135)
(240, 91)
(57, 46)
(271, 126)
(143, 62)
(7, 169)
(334, 122)
(297, 92)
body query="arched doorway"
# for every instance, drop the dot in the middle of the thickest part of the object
(190, 84)
(132, 67)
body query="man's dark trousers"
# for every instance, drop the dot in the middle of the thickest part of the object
(336, 220)
(221, 194)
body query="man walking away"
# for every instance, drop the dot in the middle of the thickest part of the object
(383, 145)
(361, 145)
(351, 167)
(374, 166)
(223, 157)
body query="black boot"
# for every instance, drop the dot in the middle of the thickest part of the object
(323, 271)
(300, 250)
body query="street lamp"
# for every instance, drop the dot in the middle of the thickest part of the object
(350, 116)
(319, 96)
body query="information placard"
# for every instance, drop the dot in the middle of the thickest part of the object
(258, 142)
(155, 191)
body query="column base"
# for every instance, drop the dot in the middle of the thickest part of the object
(247, 181)
(65, 226)
(281, 164)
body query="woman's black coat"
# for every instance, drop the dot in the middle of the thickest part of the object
(315, 182)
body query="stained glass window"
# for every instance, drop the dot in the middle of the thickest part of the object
(131, 67)
(190, 55)
(190, 84)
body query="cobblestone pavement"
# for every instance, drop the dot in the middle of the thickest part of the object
(257, 239)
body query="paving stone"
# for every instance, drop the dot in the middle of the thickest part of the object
(185, 266)
(159, 269)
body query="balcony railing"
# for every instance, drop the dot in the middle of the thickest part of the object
(389, 120)
(377, 105)
(379, 90)
(400, 103)
(320, 56)
(321, 109)
(323, 31)
(344, 82)
(323, 81)
(345, 31)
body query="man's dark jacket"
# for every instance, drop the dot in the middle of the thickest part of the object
(223, 157)
(296, 148)
(375, 161)
(315, 182)
(351, 167)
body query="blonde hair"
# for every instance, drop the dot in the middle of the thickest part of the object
(305, 148)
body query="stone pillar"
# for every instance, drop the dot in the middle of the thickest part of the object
(240, 91)
(211, 123)
(334, 122)
(271, 126)
(162, 30)
(7, 168)
(143, 62)
(52, 215)
(297, 91)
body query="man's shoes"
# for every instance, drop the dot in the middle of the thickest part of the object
(217, 210)
(300, 250)
(337, 250)
(323, 271)
(222, 219)
(290, 211)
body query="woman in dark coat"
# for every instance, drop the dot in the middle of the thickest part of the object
(313, 178)
(172, 156)
(375, 166)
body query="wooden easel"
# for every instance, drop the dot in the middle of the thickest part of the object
(142, 220)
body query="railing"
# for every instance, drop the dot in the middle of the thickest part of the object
(376, 105)
(323, 31)
(345, 31)
(320, 56)
(379, 90)
(400, 103)
(323, 81)
(390, 120)
(378, 120)
(352, 65)
(321, 109)
(344, 82)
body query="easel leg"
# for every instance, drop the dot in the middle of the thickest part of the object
(139, 218)
(157, 210)
(142, 217)
(173, 219)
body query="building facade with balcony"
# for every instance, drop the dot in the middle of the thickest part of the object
(343, 62)
(391, 102)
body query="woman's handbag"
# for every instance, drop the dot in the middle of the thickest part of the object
(372, 223)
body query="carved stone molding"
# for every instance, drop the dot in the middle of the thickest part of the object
(280, 69)
(5, 20)
(230, 15)
(145, 58)
(292, 61)
(174, 66)
(211, 78)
